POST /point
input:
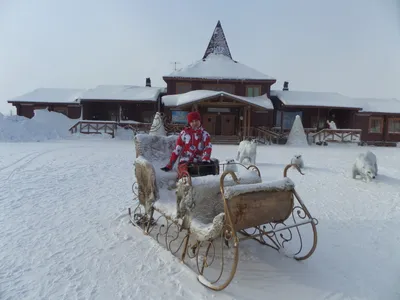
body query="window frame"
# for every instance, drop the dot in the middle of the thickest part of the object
(371, 119)
(183, 84)
(253, 86)
(391, 120)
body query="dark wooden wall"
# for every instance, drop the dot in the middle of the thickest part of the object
(133, 111)
(27, 110)
(240, 86)
(362, 121)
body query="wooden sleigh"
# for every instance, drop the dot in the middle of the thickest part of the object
(203, 220)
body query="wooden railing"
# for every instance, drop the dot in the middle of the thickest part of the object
(108, 127)
(263, 135)
(94, 127)
(338, 135)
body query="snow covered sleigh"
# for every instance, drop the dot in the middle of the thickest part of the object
(203, 219)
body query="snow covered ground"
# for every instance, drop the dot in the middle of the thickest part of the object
(64, 232)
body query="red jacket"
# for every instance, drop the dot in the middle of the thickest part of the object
(192, 146)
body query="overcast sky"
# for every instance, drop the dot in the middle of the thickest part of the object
(346, 46)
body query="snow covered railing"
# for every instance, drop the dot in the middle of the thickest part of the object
(109, 127)
(263, 135)
(337, 135)
(94, 127)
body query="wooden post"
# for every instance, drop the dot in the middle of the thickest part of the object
(249, 121)
(318, 118)
(244, 122)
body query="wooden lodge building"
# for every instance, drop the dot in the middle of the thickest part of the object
(235, 101)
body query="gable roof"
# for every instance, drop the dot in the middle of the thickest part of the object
(49, 95)
(389, 106)
(317, 99)
(199, 95)
(218, 66)
(122, 93)
(218, 43)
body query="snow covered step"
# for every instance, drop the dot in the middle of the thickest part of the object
(225, 139)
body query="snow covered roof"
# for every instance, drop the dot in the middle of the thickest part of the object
(122, 92)
(391, 106)
(317, 99)
(198, 95)
(50, 95)
(219, 66)
(218, 43)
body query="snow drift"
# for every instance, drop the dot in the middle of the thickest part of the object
(44, 125)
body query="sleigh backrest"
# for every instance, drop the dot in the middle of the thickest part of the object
(155, 149)
(251, 205)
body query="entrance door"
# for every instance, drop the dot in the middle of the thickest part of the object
(228, 124)
(209, 121)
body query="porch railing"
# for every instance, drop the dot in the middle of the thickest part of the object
(338, 135)
(94, 127)
(108, 127)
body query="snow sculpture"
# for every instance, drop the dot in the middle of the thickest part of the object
(297, 160)
(157, 127)
(366, 166)
(230, 165)
(247, 151)
(331, 124)
(297, 136)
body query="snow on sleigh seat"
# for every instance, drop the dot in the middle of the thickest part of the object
(199, 205)
(153, 153)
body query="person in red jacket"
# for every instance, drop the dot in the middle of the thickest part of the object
(193, 145)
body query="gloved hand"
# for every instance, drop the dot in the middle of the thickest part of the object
(166, 168)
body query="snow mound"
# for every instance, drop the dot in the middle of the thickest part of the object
(44, 125)
(297, 136)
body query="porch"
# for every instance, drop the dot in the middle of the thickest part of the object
(224, 116)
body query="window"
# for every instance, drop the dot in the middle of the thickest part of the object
(321, 124)
(375, 125)
(288, 118)
(183, 87)
(253, 90)
(228, 88)
(394, 125)
(148, 116)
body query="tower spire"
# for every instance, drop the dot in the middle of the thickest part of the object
(218, 43)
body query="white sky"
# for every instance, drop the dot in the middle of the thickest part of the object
(351, 47)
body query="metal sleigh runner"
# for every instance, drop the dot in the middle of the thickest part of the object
(203, 218)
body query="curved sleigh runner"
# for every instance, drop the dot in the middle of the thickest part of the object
(203, 219)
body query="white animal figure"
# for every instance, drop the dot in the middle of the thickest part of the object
(331, 124)
(247, 151)
(297, 160)
(230, 165)
(366, 166)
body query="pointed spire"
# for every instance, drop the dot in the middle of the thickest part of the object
(218, 43)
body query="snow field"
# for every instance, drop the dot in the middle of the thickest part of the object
(65, 232)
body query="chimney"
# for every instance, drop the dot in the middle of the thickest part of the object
(285, 86)
(148, 81)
